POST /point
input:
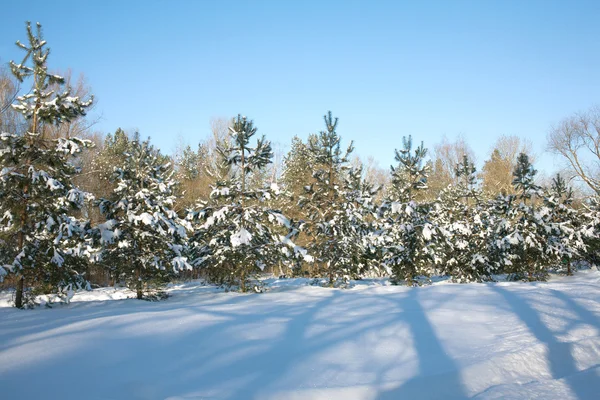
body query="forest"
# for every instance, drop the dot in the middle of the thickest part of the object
(82, 209)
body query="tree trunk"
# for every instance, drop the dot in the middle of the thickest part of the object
(21, 243)
(140, 293)
(19, 294)
(243, 280)
(569, 272)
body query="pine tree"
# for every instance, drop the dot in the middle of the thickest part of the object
(590, 230)
(296, 172)
(36, 182)
(359, 195)
(524, 178)
(528, 239)
(144, 240)
(467, 180)
(237, 234)
(564, 228)
(410, 175)
(330, 203)
(463, 227)
(409, 248)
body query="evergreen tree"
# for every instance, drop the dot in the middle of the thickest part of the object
(524, 178)
(44, 241)
(463, 228)
(144, 240)
(466, 179)
(410, 175)
(297, 169)
(529, 236)
(566, 236)
(330, 205)
(409, 248)
(237, 233)
(500, 214)
(296, 176)
(590, 230)
(359, 195)
(112, 153)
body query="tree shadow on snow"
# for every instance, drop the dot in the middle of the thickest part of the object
(438, 375)
(559, 354)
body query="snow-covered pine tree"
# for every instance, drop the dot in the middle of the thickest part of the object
(144, 240)
(329, 204)
(500, 212)
(296, 175)
(189, 163)
(44, 240)
(590, 231)
(112, 153)
(409, 249)
(361, 215)
(237, 234)
(566, 236)
(410, 175)
(524, 178)
(465, 172)
(463, 221)
(297, 168)
(528, 237)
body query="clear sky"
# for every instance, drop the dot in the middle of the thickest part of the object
(386, 69)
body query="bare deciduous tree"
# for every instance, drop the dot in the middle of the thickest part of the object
(450, 154)
(10, 120)
(577, 140)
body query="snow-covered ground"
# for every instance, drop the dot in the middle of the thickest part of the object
(372, 341)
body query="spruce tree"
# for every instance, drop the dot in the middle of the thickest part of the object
(144, 240)
(45, 241)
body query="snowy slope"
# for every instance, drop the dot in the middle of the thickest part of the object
(484, 341)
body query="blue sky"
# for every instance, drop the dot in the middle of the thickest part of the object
(430, 69)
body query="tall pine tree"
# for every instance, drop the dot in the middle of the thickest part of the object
(36, 181)
(237, 234)
(144, 240)
(409, 248)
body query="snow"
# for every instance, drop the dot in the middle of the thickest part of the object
(240, 238)
(372, 341)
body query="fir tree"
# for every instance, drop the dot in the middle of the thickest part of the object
(36, 182)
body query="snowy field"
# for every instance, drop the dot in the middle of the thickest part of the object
(373, 341)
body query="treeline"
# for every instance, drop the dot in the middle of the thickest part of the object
(78, 210)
